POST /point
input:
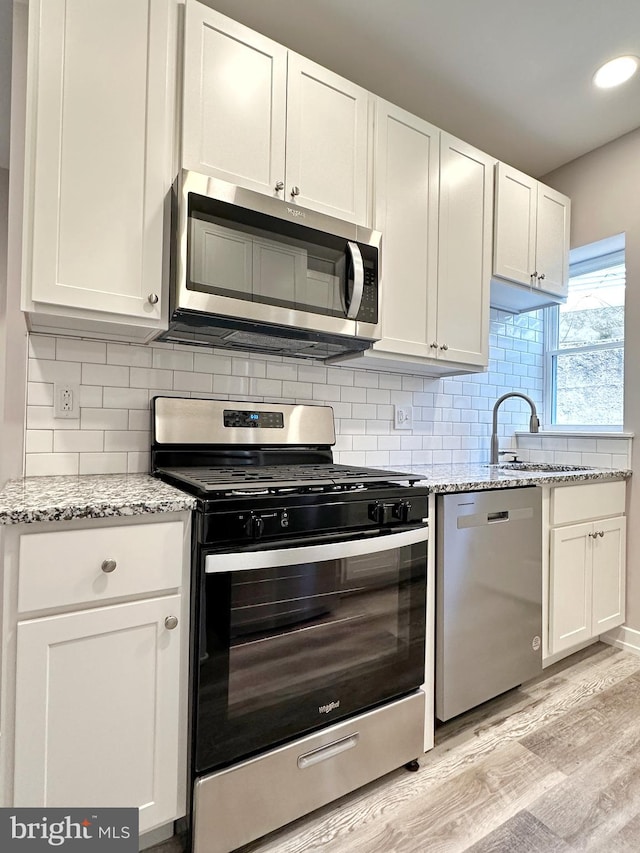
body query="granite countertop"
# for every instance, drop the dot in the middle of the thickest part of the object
(91, 496)
(476, 477)
(102, 496)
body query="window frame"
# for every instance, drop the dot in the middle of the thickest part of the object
(551, 319)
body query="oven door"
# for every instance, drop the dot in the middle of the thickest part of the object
(293, 639)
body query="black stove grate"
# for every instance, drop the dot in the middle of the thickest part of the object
(252, 477)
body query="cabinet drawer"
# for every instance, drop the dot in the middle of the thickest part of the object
(584, 502)
(66, 567)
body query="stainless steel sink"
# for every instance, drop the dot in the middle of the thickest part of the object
(540, 466)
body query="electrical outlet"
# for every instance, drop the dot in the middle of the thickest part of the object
(66, 400)
(403, 417)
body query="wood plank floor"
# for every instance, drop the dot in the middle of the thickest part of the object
(552, 767)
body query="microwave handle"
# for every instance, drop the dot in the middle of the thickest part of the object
(353, 308)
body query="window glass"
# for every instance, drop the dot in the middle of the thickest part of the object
(585, 345)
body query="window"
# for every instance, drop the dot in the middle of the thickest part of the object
(584, 341)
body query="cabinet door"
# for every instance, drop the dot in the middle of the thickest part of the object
(406, 212)
(97, 704)
(327, 141)
(570, 587)
(552, 241)
(234, 101)
(464, 252)
(515, 226)
(609, 553)
(99, 133)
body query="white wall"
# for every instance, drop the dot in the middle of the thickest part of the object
(13, 337)
(604, 187)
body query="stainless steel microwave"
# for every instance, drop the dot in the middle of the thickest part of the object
(255, 273)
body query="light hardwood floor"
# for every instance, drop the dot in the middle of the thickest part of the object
(551, 767)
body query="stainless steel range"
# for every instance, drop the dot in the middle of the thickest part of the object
(308, 620)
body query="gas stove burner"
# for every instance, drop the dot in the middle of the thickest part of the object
(281, 479)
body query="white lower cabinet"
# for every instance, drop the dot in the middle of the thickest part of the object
(587, 565)
(99, 699)
(97, 709)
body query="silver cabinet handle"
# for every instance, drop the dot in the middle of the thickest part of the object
(541, 276)
(601, 533)
(445, 346)
(108, 566)
(279, 186)
(353, 307)
(593, 535)
(295, 191)
(152, 298)
(171, 622)
(434, 345)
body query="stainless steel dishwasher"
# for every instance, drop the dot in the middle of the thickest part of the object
(488, 595)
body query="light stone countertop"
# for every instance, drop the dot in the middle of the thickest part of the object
(62, 498)
(480, 476)
(91, 496)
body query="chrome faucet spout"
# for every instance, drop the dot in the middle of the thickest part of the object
(534, 423)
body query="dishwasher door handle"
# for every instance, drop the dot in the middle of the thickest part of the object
(498, 516)
(481, 519)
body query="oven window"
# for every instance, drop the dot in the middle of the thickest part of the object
(289, 649)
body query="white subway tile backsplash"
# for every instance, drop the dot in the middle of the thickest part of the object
(39, 441)
(103, 463)
(126, 398)
(184, 381)
(92, 395)
(148, 377)
(452, 417)
(129, 355)
(113, 375)
(172, 359)
(50, 464)
(42, 346)
(105, 419)
(40, 394)
(76, 349)
(126, 440)
(44, 370)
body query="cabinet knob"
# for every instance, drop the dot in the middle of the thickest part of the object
(444, 346)
(541, 276)
(279, 186)
(601, 533)
(295, 191)
(108, 566)
(152, 298)
(434, 345)
(171, 622)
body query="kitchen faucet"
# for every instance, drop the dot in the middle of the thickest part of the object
(534, 423)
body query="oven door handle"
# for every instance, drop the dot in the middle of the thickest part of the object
(268, 559)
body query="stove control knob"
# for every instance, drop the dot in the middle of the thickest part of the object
(380, 512)
(402, 510)
(254, 526)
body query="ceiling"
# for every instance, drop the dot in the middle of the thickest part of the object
(512, 77)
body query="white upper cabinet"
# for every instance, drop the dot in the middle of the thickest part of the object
(327, 141)
(99, 144)
(464, 253)
(234, 109)
(406, 213)
(434, 207)
(531, 246)
(248, 100)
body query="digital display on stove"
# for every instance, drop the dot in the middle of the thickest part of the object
(268, 420)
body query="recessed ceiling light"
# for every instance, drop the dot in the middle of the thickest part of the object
(616, 71)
